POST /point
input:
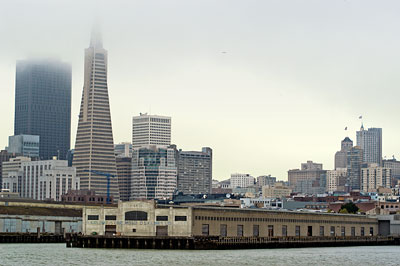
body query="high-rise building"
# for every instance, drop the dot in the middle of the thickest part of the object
(370, 141)
(310, 179)
(43, 104)
(124, 169)
(94, 147)
(394, 165)
(5, 156)
(25, 145)
(374, 177)
(123, 149)
(266, 180)
(341, 156)
(195, 171)
(354, 162)
(336, 179)
(154, 173)
(151, 130)
(241, 180)
(13, 165)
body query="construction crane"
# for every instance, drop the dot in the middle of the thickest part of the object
(108, 175)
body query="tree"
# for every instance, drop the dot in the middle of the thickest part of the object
(349, 207)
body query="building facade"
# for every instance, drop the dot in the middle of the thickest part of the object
(354, 162)
(336, 180)
(394, 165)
(4, 157)
(278, 190)
(151, 130)
(241, 180)
(124, 174)
(341, 156)
(43, 104)
(24, 145)
(370, 141)
(374, 177)
(195, 171)
(310, 179)
(154, 173)
(94, 146)
(123, 149)
(266, 180)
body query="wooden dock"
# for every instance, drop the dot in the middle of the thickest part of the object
(31, 238)
(223, 242)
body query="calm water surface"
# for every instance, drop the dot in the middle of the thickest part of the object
(58, 254)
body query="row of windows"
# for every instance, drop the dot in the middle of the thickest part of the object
(137, 216)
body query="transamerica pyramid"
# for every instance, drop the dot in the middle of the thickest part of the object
(94, 146)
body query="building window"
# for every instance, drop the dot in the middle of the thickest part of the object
(297, 230)
(180, 218)
(353, 231)
(362, 231)
(270, 230)
(371, 231)
(309, 230)
(111, 217)
(343, 231)
(205, 229)
(240, 230)
(321, 231)
(162, 218)
(223, 230)
(136, 216)
(256, 230)
(93, 217)
(284, 230)
(332, 231)
(133, 230)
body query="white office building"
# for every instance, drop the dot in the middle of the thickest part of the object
(151, 130)
(374, 177)
(336, 179)
(241, 180)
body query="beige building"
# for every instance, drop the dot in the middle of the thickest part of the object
(276, 191)
(336, 179)
(374, 177)
(145, 218)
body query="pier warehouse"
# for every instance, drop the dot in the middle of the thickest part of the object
(147, 219)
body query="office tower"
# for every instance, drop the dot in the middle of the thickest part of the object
(371, 142)
(43, 105)
(241, 180)
(374, 177)
(124, 169)
(354, 162)
(5, 156)
(41, 180)
(336, 180)
(94, 147)
(341, 156)
(195, 171)
(151, 130)
(25, 145)
(266, 180)
(123, 149)
(310, 179)
(12, 165)
(394, 165)
(154, 173)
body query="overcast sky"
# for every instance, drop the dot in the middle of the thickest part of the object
(266, 84)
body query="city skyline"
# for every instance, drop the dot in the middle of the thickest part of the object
(230, 95)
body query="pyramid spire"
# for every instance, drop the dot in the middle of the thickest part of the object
(96, 39)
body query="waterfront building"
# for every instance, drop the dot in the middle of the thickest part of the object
(12, 165)
(278, 190)
(310, 179)
(146, 218)
(84, 197)
(123, 149)
(266, 180)
(195, 171)
(341, 156)
(241, 180)
(336, 180)
(124, 174)
(370, 141)
(24, 145)
(354, 162)
(42, 180)
(154, 173)
(374, 177)
(151, 130)
(94, 146)
(43, 104)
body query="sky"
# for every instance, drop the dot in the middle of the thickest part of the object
(267, 84)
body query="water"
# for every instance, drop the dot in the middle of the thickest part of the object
(58, 254)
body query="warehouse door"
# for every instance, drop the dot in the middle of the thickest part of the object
(162, 230)
(111, 230)
(57, 229)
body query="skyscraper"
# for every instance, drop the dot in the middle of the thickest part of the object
(341, 156)
(151, 130)
(371, 142)
(354, 162)
(94, 147)
(43, 105)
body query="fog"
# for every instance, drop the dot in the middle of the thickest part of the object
(266, 84)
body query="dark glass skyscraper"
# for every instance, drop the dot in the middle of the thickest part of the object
(43, 104)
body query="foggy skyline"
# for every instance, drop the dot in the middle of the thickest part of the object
(266, 84)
